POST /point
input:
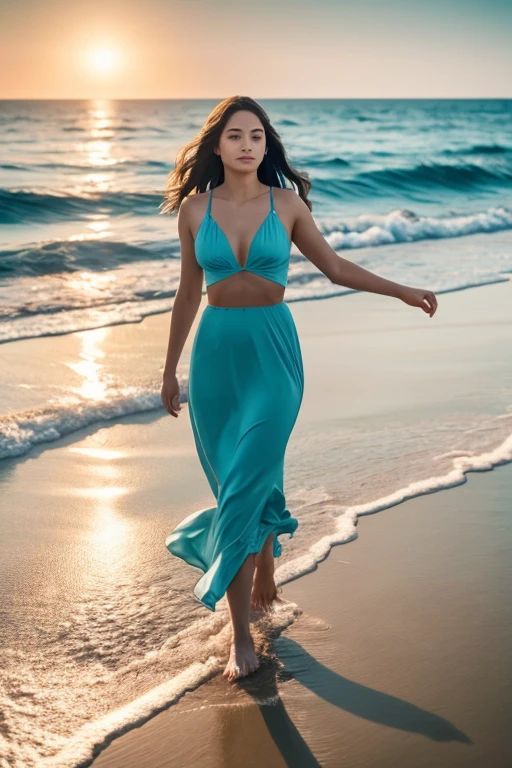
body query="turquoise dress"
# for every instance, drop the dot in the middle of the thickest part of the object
(246, 383)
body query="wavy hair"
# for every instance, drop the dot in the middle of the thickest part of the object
(198, 166)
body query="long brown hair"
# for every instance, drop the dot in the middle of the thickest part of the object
(197, 165)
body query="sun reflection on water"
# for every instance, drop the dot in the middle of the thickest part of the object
(96, 382)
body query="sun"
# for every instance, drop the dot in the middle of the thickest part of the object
(104, 60)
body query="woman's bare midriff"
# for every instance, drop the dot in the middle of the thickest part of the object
(245, 289)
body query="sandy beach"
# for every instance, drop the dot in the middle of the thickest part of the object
(399, 654)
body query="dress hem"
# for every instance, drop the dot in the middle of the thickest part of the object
(254, 546)
(251, 549)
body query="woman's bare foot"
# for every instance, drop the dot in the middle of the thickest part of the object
(242, 658)
(264, 591)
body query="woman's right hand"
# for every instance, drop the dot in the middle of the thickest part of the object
(170, 394)
(419, 297)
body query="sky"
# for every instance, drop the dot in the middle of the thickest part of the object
(187, 49)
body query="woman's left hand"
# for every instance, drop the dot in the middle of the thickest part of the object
(418, 297)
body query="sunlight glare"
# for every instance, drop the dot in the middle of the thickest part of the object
(104, 60)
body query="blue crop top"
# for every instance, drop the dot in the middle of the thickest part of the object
(268, 255)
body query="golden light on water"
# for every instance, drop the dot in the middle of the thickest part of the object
(97, 152)
(95, 383)
(99, 229)
(111, 534)
(101, 493)
(93, 284)
(105, 454)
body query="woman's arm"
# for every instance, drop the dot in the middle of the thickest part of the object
(312, 244)
(184, 309)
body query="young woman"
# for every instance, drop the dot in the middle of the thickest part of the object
(246, 378)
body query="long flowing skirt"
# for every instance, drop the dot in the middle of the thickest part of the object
(246, 383)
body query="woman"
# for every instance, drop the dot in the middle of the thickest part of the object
(246, 378)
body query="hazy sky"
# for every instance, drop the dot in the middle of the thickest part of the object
(263, 48)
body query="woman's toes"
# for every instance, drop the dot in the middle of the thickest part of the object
(242, 660)
(262, 600)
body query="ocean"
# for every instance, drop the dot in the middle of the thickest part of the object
(83, 244)
(418, 191)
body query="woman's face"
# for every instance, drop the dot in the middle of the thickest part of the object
(243, 136)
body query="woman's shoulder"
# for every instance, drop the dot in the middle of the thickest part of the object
(284, 193)
(194, 203)
(285, 198)
(193, 209)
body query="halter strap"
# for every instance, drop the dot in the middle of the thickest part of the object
(271, 200)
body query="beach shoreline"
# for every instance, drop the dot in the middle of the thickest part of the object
(399, 656)
(369, 361)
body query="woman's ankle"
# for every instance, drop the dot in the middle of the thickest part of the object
(241, 634)
(266, 555)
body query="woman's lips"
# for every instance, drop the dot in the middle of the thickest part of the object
(246, 159)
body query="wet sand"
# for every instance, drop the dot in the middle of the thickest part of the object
(401, 655)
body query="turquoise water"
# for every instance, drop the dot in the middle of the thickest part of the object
(417, 191)
(82, 243)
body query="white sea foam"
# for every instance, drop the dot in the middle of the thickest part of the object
(345, 529)
(20, 431)
(209, 634)
(404, 226)
(65, 301)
